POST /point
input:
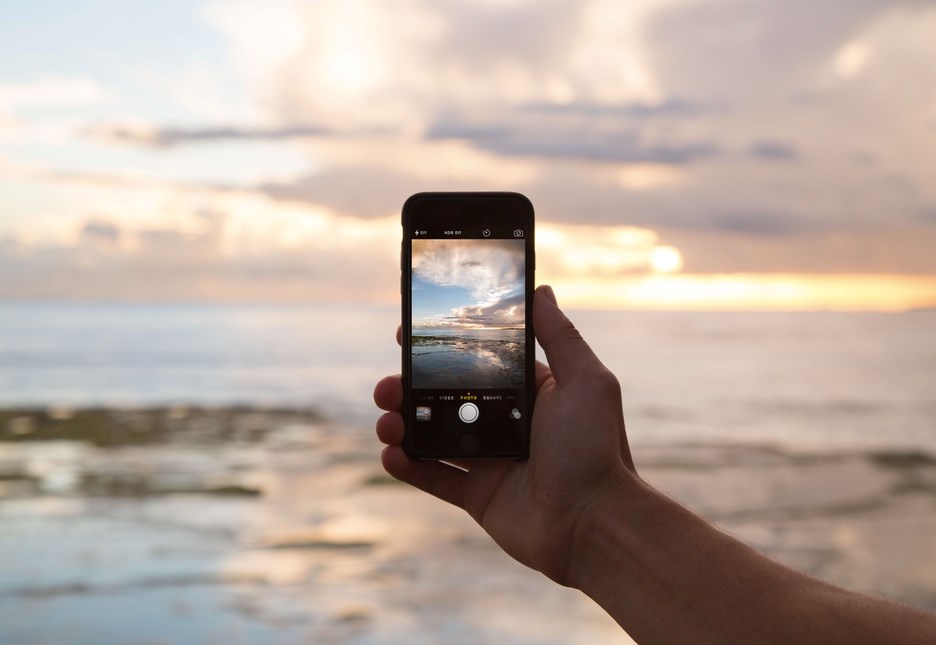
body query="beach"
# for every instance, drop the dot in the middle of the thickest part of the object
(196, 524)
(468, 360)
(192, 473)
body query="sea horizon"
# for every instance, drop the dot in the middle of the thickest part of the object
(804, 379)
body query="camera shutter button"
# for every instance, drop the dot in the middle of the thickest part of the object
(468, 412)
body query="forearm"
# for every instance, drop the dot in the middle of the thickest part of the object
(667, 576)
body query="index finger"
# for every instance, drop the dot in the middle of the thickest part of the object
(388, 393)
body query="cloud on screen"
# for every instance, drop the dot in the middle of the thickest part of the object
(491, 271)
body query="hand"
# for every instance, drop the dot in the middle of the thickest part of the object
(537, 510)
(577, 511)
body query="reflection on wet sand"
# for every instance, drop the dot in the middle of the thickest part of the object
(456, 361)
(286, 530)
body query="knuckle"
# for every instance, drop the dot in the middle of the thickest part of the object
(569, 331)
(607, 383)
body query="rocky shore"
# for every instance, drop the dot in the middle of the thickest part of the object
(112, 427)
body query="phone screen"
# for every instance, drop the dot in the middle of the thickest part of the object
(468, 348)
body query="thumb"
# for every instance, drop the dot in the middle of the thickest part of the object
(566, 351)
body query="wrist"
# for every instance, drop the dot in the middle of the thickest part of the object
(635, 556)
(606, 530)
(658, 569)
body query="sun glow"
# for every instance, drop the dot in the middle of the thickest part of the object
(748, 292)
(602, 250)
(666, 259)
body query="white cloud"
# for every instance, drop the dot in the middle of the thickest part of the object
(749, 134)
(358, 63)
(489, 269)
(203, 245)
(50, 91)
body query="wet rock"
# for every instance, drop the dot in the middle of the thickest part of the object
(903, 459)
(124, 427)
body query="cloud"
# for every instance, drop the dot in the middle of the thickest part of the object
(670, 107)
(773, 151)
(166, 137)
(488, 269)
(722, 96)
(399, 65)
(50, 91)
(101, 231)
(373, 177)
(619, 142)
(362, 191)
(224, 253)
(506, 312)
(750, 51)
(722, 100)
(829, 252)
(754, 135)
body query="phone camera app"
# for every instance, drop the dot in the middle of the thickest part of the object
(518, 232)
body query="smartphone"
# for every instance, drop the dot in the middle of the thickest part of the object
(467, 333)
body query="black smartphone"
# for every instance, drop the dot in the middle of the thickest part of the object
(468, 353)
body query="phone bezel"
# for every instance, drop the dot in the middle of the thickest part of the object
(466, 205)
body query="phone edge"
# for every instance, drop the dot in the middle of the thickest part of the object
(406, 252)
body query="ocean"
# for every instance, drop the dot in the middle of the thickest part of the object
(801, 380)
(810, 435)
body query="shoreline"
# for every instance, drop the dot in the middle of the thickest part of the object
(119, 425)
(467, 361)
(239, 517)
(108, 426)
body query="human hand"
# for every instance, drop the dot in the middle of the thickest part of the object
(577, 511)
(537, 510)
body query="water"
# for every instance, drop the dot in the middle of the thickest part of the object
(837, 381)
(297, 536)
(795, 379)
(489, 334)
(158, 354)
(469, 358)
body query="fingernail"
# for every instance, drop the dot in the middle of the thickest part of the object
(548, 292)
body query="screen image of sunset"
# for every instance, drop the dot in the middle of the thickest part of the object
(468, 313)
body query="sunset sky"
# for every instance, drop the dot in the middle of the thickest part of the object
(687, 154)
(468, 283)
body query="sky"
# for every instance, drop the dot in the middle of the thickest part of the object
(680, 154)
(473, 283)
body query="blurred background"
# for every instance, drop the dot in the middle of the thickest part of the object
(199, 225)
